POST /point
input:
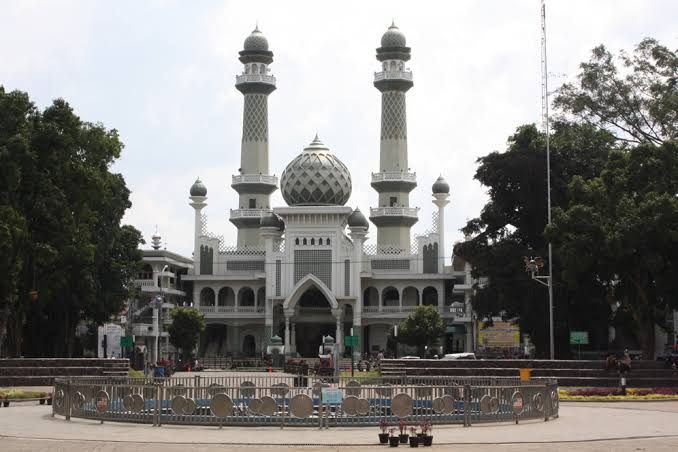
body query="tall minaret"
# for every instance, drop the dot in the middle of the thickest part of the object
(254, 184)
(394, 181)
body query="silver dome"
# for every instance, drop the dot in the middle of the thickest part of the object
(256, 41)
(440, 186)
(393, 37)
(357, 219)
(316, 178)
(198, 188)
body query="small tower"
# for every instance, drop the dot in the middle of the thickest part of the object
(393, 216)
(198, 196)
(441, 198)
(254, 184)
(156, 239)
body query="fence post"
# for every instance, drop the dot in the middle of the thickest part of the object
(67, 400)
(547, 402)
(156, 420)
(467, 405)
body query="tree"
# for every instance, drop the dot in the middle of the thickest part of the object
(72, 261)
(187, 325)
(621, 228)
(421, 328)
(634, 95)
(511, 226)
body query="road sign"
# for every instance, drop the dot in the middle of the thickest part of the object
(351, 341)
(126, 341)
(579, 337)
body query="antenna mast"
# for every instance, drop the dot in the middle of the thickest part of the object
(545, 119)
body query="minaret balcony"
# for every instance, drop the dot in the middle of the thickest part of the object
(394, 216)
(393, 75)
(254, 183)
(246, 217)
(400, 181)
(255, 78)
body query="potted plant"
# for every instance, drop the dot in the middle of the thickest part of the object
(414, 439)
(393, 440)
(403, 432)
(426, 429)
(383, 436)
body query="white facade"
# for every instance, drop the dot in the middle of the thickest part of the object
(304, 270)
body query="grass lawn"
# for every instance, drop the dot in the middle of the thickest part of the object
(612, 394)
(11, 393)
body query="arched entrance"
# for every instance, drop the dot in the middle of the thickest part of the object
(249, 346)
(314, 320)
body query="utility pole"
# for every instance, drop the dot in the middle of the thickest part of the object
(545, 114)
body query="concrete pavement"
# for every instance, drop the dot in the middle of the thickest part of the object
(581, 426)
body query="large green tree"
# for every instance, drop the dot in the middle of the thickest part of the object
(72, 260)
(187, 325)
(422, 328)
(621, 229)
(634, 95)
(511, 226)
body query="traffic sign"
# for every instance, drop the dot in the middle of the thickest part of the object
(351, 341)
(579, 337)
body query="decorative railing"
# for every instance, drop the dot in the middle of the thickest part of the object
(394, 211)
(260, 78)
(230, 309)
(394, 176)
(392, 75)
(457, 312)
(254, 179)
(145, 282)
(248, 213)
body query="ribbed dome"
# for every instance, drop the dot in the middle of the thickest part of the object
(316, 178)
(393, 37)
(198, 188)
(358, 220)
(256, 41)
(440, 186)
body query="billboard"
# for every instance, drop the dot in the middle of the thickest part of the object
(500, 334)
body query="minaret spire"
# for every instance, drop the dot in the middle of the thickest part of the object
(254, 184)
(394, 181)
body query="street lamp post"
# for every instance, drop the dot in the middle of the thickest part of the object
(533, 266)
(156, 314)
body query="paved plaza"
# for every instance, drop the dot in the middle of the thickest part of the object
(581, 426)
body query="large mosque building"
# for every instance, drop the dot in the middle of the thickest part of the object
(304, 270)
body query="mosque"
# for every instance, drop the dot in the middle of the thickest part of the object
(304, 271)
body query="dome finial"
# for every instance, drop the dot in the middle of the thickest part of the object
(393, 25)
(256, 27)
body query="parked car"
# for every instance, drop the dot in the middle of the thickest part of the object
(460, 356)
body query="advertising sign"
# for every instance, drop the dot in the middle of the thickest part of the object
(500, 334)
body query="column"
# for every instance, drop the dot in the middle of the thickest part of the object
(287, 334)
(293, 342)
(339, 341)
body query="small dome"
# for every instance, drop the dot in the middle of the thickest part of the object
(256, 41)
(271, 220)
(198, 188)
(357, 219)
(393, 37)
(440, 186)
(316, 178)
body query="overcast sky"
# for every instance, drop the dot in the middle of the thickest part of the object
(163, 74)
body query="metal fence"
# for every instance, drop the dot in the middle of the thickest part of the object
(303, 401)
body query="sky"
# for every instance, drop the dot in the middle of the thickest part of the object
(163, 72)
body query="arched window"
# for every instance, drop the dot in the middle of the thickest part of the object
(390, 297)
(305, 242)
(429, 297)
(312, 241)
(320, 241)
(226, 297)
(370, 297)
(246, 297)
(296, 241)
(262, 69)
(328, 240)
(206, 297)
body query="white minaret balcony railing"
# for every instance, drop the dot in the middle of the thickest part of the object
(394, 176)
(255, 78)
(394, 212)
(254, 179)
(247, 213)
(392, 75)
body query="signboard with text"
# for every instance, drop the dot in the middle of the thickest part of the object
(579, 337)
(500, 334)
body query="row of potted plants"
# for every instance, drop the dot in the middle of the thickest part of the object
(418, 435)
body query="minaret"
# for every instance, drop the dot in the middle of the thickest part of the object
(394, 181)
(441, 197)
(254, 184)
(198, 197)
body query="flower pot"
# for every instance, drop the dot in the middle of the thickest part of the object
(42, 401)
(403, 438)
(414, 441)
(393, 441)
(428, 440)
(383, 438)
(49, 401)
(5, 403)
